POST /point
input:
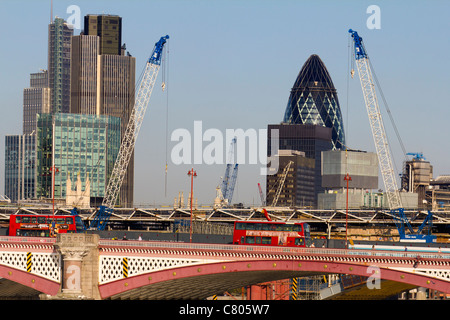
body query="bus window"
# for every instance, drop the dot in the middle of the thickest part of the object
(250, 226)
(18, 219)
(60, 220)
(41, 219)
(299, 242)
(298, 228)
(240, 226)
(69, 220)
(33, 220)
(25, 220)
(265, 226)
(258, 240)
(250, 240)
(266, 240)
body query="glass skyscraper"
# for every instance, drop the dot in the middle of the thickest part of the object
(20, 166)
(75, 144)
(59, 44)
(313, 100)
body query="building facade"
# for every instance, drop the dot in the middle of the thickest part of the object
(310, 139)
(59, 47)
(75, 144)
(103, 80)
(36, 99)
(84, 74)
(313, 100)
(20, 167)
(293, 184)
(109, 29)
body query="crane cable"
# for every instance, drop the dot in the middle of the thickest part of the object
(164, 85)
(384, 102)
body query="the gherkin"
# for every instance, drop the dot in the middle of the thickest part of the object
(313, 100)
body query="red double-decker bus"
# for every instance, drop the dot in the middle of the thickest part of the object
(270, 233)
(29, 225)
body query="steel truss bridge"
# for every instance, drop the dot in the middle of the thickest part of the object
(229, 215)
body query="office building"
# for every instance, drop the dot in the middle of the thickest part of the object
(313, 100)
(84, 74)
(59, 47)
(310, 139)
(75, 144)
(36, 99)
(109, 29)
(103, 80)
(20, 167)
(293, 184)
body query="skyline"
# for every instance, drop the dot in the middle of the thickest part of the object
(232, 65)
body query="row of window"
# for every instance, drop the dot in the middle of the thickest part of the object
(61, 220)
(267, 240)
(269, 227)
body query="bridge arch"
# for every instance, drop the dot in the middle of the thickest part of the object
(203, 280)
(30, 280)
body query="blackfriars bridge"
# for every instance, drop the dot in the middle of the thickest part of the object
(83, 266)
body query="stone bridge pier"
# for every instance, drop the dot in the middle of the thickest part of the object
(80, 263)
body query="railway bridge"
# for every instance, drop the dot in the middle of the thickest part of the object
(83, 266)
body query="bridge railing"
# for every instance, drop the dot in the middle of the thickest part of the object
(27, 240)
(273, 250)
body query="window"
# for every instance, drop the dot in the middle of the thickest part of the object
(250, 240)
(41, 219)
(240, 226)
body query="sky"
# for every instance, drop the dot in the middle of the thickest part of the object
(231, 64)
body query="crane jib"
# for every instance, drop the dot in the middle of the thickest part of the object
(155, 58)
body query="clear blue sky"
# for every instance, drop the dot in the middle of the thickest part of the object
(232, 65)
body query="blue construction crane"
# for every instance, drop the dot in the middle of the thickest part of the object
(144, 91)
(229, 179)
(417, 155)
(382, 148)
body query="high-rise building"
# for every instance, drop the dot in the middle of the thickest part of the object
(307, 138)
(293, 184)
(116, 98)
(36, 99)
(75, 144)
(20, 167)
(103, 80)
(59, 43)
(109, 29)
(313, 100)
(84, 74)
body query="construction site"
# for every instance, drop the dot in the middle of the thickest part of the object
(323, 193)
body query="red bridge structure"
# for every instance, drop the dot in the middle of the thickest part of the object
(83, 266)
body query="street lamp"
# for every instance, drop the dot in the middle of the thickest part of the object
(346, 178)
(192, 174)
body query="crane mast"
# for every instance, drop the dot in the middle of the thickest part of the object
(376, 122)
(382, 148)
(131, 133)
(229, 179)
(281, 183)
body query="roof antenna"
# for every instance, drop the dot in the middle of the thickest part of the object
(51, 11)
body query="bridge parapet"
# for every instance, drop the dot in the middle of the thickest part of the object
(82, 266)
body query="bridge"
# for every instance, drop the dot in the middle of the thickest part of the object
(83, 266)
